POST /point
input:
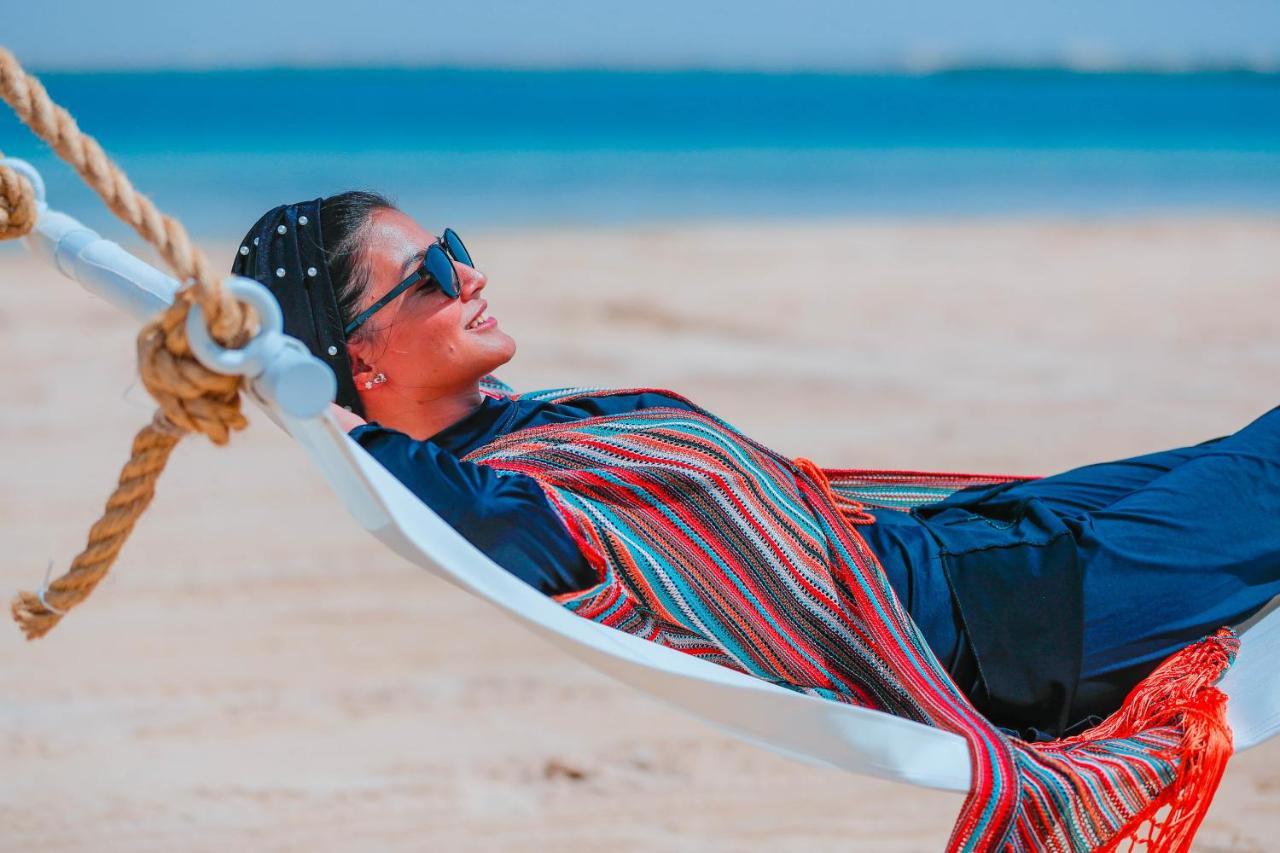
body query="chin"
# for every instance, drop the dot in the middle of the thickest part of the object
(501, 355)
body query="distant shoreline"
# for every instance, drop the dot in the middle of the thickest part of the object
(1267, 70)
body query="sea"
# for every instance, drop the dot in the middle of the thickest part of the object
(522, 148)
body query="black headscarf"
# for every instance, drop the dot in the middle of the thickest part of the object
(284, 250)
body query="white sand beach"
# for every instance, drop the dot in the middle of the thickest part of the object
(257, 673)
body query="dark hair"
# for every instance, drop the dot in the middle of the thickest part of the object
(343, 221)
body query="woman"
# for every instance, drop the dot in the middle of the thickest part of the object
(1045, 600)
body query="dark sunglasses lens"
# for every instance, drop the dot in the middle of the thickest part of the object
(459, 251)
(441, 269)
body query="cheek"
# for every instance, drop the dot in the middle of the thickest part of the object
(432, 336)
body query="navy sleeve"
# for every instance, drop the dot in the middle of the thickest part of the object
(507, 516)
(612, 404)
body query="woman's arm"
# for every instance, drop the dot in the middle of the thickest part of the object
(507, 516)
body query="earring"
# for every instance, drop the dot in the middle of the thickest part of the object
(377, 380)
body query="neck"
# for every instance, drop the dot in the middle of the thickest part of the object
(421, 412)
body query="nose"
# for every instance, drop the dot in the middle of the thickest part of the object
(470, 281)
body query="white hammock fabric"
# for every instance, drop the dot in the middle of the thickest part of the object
(819, 731)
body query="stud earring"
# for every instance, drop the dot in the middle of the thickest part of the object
(377, 380)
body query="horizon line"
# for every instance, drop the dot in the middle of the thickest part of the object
(1269, 66)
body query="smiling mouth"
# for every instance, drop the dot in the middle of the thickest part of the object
(481, 321)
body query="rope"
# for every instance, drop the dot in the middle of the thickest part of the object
(17, 204)
(191, 397)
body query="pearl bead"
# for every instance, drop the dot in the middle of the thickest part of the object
(255, 241)
(302, 220)
(279, 272)
(348, 408)
(280, 229)
(311, 271)
(333, 350)
(244, 250)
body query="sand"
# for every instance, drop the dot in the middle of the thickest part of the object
(257, 673)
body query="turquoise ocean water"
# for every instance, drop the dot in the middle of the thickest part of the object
(513, 148)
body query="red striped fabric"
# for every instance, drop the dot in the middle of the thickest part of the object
(710, 543)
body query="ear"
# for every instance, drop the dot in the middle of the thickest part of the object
(362, 372)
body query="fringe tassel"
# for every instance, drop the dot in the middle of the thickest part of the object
(1179, 693)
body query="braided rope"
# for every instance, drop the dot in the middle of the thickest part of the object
(17, 204)
(191, 397)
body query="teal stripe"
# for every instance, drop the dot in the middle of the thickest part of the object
(671, 578)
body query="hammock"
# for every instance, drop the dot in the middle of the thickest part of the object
(294, 390)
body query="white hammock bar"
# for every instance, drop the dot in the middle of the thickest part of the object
(295, 388)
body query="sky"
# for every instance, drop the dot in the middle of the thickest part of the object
(739, 34)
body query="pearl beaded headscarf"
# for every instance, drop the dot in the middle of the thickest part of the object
(284, 250)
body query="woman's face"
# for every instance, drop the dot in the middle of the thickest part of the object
(420, 341)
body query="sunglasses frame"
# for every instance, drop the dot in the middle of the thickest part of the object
(448, 244)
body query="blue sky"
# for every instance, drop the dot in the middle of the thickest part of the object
(809, 34)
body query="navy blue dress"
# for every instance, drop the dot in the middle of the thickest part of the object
(1156, 551)
(1047, 600)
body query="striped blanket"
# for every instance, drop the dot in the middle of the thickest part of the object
(710, 543)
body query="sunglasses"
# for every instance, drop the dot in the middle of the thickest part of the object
(435, 268)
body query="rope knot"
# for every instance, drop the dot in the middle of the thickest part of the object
(192, 397)
(17, 205)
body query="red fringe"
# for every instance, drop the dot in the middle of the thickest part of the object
(1178, 693)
